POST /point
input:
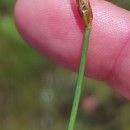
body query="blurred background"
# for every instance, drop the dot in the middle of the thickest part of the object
(36, 94)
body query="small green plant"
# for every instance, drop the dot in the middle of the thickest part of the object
(85, 12)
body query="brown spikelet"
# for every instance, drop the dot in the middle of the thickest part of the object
(85, 12)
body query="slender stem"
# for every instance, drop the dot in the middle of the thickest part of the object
(79, 80)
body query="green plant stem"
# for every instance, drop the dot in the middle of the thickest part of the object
(79, 80)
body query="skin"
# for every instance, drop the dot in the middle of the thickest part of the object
(55, 29)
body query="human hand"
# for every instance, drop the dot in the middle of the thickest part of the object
(55, 28)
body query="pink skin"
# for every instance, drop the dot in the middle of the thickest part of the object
(55, 29)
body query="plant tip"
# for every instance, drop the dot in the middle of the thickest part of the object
(85, 12)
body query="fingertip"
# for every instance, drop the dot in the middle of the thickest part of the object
(54, 29)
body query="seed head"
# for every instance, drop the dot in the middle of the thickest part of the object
(85, 12)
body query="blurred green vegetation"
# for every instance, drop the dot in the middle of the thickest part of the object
(36, 94)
